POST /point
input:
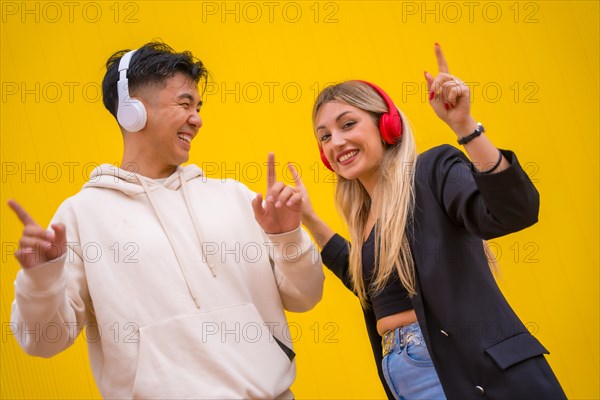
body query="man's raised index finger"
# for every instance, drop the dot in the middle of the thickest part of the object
(25, 218)
(271, 177)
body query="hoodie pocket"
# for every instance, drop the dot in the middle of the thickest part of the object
(224, 353)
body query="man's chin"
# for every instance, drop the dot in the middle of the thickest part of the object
(184, 159)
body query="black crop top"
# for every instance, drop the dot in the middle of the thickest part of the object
(393, 298)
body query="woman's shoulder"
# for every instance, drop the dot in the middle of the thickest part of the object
(443, 151)
(440, 158)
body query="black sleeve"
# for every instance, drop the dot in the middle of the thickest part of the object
(487, 205)
(336, 257)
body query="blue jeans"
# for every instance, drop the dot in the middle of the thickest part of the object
(408, 369)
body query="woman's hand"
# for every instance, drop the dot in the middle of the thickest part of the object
(450, 98)
(320, 231)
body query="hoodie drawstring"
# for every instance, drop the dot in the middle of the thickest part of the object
(194, 222)
(160, 220)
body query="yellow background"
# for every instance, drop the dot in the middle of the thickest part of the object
(533, 67)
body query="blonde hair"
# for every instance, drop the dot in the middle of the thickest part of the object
(394, 193)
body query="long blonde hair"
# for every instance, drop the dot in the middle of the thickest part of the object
(394, 193)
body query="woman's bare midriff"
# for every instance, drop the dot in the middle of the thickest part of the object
(394, 321)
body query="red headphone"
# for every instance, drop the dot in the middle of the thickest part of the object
(390, 123)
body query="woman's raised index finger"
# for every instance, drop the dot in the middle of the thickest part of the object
(442, 64)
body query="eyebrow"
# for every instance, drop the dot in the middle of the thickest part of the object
(189, 97)
(336, 119)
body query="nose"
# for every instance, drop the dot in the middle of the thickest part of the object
(195, 120)
(331, 146)
(337, 139)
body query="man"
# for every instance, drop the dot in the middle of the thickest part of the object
(181, 281)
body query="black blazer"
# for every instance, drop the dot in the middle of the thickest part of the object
(478, 345)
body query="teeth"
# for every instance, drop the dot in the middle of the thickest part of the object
(347, 156)
(185, 137)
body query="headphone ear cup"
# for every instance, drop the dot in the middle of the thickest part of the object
(390, 123)
(132, 115)
(324, 159)
(390, 126)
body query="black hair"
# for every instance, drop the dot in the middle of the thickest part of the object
(153, 63)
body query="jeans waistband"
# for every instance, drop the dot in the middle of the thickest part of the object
(400, 337)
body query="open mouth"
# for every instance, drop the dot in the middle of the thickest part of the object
(186, 137)
(347, 156)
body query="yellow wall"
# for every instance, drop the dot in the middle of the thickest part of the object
(533, 67)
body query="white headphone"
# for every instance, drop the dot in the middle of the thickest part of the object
(131, 113)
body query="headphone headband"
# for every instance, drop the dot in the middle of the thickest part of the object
(124, 64)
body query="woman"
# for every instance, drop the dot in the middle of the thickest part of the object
(438, 323)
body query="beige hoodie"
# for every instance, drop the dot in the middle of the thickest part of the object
(181, 292)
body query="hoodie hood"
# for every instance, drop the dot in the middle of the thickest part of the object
(110, 177)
